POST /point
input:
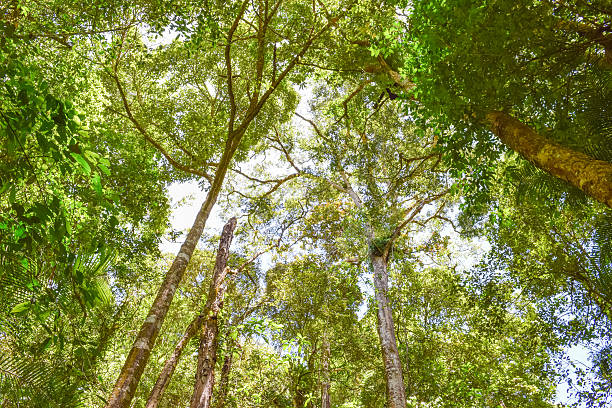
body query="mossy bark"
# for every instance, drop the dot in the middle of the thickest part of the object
(590, 175)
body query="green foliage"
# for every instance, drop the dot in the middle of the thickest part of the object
(532, 60)
(98, 116)
(465, 342)
(61, 224)
(379, 245)
(44, 152)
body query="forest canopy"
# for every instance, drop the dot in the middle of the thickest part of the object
(403, 205)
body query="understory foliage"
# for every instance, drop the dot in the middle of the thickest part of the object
(351, 133)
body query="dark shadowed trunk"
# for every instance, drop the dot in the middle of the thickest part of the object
(590, 175)
(386, 333)
(597, 34)
(209, 332)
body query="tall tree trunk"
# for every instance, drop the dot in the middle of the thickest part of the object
(207, 358)
(137, 359)
(590, 175)
(386, 332)
(166, 373)
(225, 373)
(325, 377)
(209, 333)
(134, 365)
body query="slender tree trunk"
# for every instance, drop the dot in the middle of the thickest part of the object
(225, 373)
(386, 332)
(166, 373)
(325, 377)
(137, 359)
(209, 333)
(590, 175)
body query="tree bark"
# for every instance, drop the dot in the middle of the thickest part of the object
(592, 176)
(225, 373)
(207, 358)
(209, 333)
(166, 373)
(386, 332)
(325, 377)
(379, 258)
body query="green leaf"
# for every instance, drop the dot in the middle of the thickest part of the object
(21, 307)
(95, 182)
(104, 169)
(82, 162)
(67, 222)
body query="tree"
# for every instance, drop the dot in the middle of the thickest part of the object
(315, 301)
(241, 106)
(389, 182)
(500, 71)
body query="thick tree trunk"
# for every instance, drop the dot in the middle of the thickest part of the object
(590, 175)
(209, 333)
(386, 332)
(134, 365)
(325, 377)
(224, 383)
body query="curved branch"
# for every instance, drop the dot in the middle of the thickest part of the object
(148, 137)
